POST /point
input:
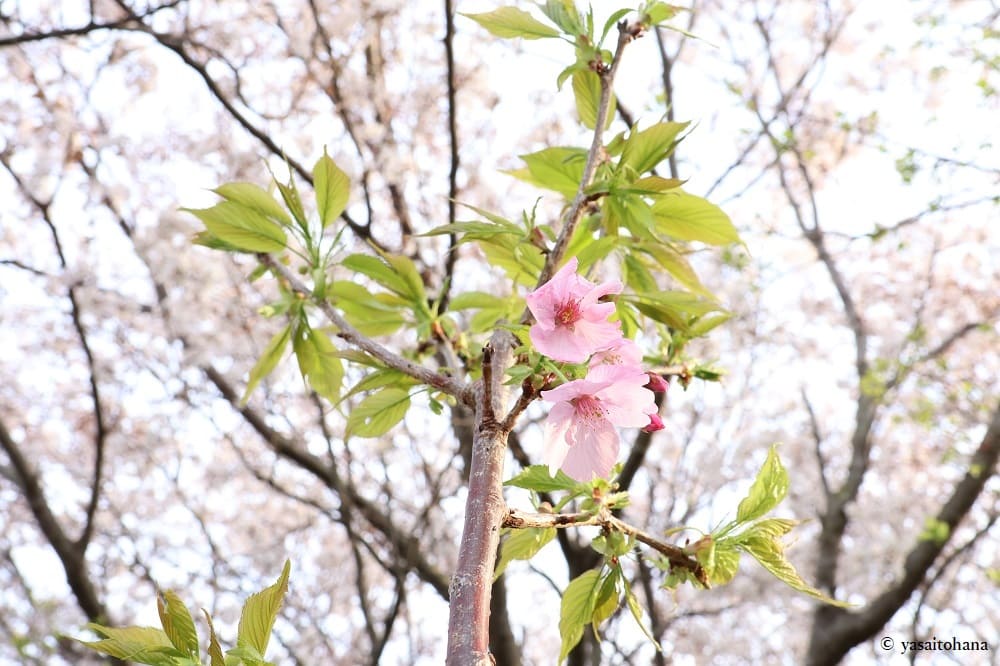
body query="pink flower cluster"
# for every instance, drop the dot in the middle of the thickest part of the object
(571, 325)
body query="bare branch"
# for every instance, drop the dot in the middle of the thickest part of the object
(836, 631)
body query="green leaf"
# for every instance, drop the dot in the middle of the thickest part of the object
(612, 20)
(577, 609)
(646, 149)
(537, 478)
(381, 272)
(268, 361)
(405, 269)
(241, 227)
(206, 239)
(935, 530)
(705, 324)
(658, 12)
(726, 563)
(652, 185)
(629, 211)
(565, 15)
(773, 528)
(587, 92)
(372, 314)
(259, 613)
(256, 198)
(332, 189)
(767, 491)
(319, 362)
(636, 610)
(607, 600)
(770, 555)
(290, 195)
(510, 22)
(673, 308)
(380, 378)
(475, 229)
(143, 645)
(177, 623)
(687, 217)
(377, 413)
(214, 649)
(677, 265)
(559, 168)
(523, 544)
(522, 261)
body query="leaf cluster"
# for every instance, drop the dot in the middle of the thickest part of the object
(177, 642)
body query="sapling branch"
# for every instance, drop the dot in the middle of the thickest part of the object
(606, 72)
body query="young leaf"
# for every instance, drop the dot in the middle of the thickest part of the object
(607, 600)
(726, 563)
(241, 227)
(587, 92)
(558, 168)
(677, 265)
(256, 198)
(319, 363)
(290, 195)
(636, 610)
(259, 613)
(523, 544)
(687, 217)
(143, 645)
(407, 271)
(537, 478)
(767, 491)
(644, 150)
(371, 314)
(565, 15)
(381, 272)
(510, 22)
(379, 378)
(177, 623)
(768, 552)
(214, 649)
(268, 361)
(577, 609)
(332, 189)
(377, 413)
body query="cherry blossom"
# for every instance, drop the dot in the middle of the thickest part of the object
(620, 352)
(580, 435)
(570, 322)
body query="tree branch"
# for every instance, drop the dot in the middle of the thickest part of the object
(626, 33)
(836, 631)
(468, 625)
(450, 385)
(676, 556)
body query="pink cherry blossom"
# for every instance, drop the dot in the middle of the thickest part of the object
(620, 352)
(570, 322)
(580, 435)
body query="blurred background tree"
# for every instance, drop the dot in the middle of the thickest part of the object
(852, 144)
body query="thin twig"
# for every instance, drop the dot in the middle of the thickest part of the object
(461, 391)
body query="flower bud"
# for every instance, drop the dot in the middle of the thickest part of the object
(657, 384)
(655, 423)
